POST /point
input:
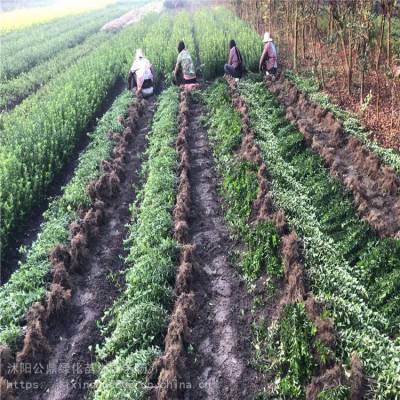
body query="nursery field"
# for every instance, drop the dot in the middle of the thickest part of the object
(235, 240)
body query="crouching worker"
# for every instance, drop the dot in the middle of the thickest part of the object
(268, 59)
(141, 75)
(184, 73)
(235, 61)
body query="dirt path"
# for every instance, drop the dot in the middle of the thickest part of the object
(218, 366)
(29, 229)
(93, 292)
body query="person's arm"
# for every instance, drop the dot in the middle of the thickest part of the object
(263, 57)
(230, 56)
(176, 70)
(177, 66)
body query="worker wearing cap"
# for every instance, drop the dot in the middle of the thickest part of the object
(268, 59)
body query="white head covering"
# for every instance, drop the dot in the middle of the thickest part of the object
(139, 54)
(267, 37)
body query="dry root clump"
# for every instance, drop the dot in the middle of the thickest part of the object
(71, 259)
(295, 289)
(168, 370)
(329, 379)
(172, 363)
(6, 360)
(6, 390)
(36, 346)
(375, 188)
(356, 379)
(58, 300)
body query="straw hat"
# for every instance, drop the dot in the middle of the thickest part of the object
(267, 37)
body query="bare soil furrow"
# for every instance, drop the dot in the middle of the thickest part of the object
(217, 367)
(72, 334)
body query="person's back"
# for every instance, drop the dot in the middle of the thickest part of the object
(142, 68)
(272, 58)
(184, 72)
(142, 71)
(234, 57)
(268, 59)
(234, 67)
(187, 65)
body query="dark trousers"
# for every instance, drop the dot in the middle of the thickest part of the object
(232, 71)
(271, 71)
(131, 80)
(180, 80)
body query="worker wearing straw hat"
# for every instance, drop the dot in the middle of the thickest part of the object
(268, 59)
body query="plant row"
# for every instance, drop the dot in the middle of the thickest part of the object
(15, 90)
(28, 284)
(16, 61)
(352, 272)
(271, 256)
(375, 188)
(134, 326)
(213, 31)
(168, 371)
(350, 121)
(39, 135)
(20, 22)
(239, 189)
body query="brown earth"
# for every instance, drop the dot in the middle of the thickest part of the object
(220, 352)
(375, 187)
(27, 231)
(72, 329)
(293, 289)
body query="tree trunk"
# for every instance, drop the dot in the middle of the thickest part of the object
(362, 87)
(295, 36)
(350, 72)
(287, 24)
(347, 61)
(389, 55)
(378, 94)
(321, 61)
(382, 30)
(303, 40)
(270, 17)
(393, 106)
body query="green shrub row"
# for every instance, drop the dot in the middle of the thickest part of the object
(15, 90)
(285, 350)
(340, 252)
(38, 136)
(15, 61)
(134, 326)
(28, 284)
(239, 189)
